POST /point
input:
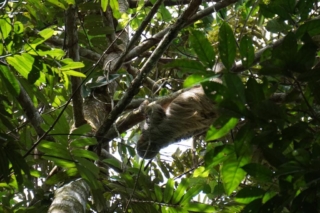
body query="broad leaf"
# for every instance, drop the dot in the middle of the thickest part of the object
(203, 48)
(227, 45)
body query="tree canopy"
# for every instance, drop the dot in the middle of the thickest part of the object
(73, 77)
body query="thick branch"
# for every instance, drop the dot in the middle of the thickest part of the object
(73, 52)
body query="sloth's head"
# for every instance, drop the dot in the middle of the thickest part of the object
(147, 149)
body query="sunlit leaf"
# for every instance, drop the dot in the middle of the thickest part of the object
(104, 5)
(54, 149)
(71, 65)
(46, 33)
(191, 192)
(5, 27)
(214, 133)
(115, 8)
(85, 153)
(199, 207)
(218, 155)
(58, 4)
(180, 191)
(158, 192)
(168, 191)
(232, 173)
(194, 79)
(74, 73)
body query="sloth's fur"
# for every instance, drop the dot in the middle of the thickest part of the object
(188, 114)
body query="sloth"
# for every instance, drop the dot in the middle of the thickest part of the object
(188, 114)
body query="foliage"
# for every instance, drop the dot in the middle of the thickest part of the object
(260, 155)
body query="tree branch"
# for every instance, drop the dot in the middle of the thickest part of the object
(138, 50)
(134, 3)
(147, 67)
(137, 35)
(30, 111)
(73, 52)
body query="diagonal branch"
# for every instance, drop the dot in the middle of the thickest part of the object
(138, 50)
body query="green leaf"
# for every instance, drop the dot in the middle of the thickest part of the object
(227, 45)
(168, 191)
(272, 67)
(180, 191)
(218, 155)
(232, 173)
(269, 110)
(311, 27)
(242, 141)
(165, 13)
(287, 50)
(5, 27)
(56, 178)
(64, 163)
(199, 207)
(235, 86)
(58, 4)
(259, 172)
(253, 207)
(70, 65)
(88, 176)
(85, 153)
(89, 165)
(254, 92)
(302, 156)
(104, 5)
(23, 64)
(54, 149)
(214, 133)
(82, 142)
(10, 81)
(187, 65)
(158, 192)
(4, 165)
(193, 191)
(194, 79)
(277, 25)
(201, 45)
(246, 51)
(115, 9)
(113, 162)
(46, 33)
(18, 164)
(211, 89)
(74, 73)
(80, 131)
